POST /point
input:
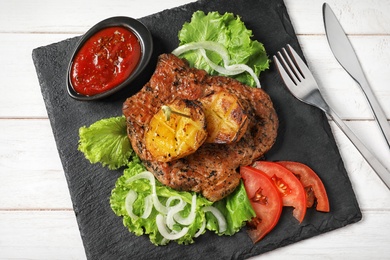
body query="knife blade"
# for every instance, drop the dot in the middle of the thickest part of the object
(344, 53)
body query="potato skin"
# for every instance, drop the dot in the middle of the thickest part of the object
(212, 169)
(169, 140)
(226, 119)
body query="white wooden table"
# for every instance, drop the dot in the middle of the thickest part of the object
(36, 216)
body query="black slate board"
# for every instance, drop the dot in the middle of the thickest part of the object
(304, 136)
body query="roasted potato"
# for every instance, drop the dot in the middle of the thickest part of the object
(173, 137)
(226, 119)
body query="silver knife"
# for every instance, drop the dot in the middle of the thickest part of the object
(346, 56)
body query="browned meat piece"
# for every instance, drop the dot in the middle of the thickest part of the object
(213, 169)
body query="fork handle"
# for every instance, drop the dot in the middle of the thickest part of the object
(376, 165)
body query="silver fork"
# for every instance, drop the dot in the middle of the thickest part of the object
(301, 83)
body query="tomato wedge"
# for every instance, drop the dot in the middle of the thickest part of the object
(290, 188)
(314, 187)
(265, 200)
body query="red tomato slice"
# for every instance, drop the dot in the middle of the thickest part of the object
(313, 185)
(265, 200)
(290, 188)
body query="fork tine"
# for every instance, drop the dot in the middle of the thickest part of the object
(287, 66)
(285, 76)
(292, 66)
(307, 91)
(301, 64)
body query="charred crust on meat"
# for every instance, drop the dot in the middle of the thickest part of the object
(213, 169)
(212, 174)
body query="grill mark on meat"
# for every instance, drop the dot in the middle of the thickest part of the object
(213, 169)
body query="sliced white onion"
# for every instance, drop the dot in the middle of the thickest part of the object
(148, 206)
(219, 48)
(222, 70)
(231, 70)
(157, 204)
(172, 211)
(173, 198)
(191, 217)
(170, 215)
(220, 218)
(131, 197)
(200, 231)
(143, 175)
(129, 201)
(205, 45)
(161, 225)
(149, 176)
(247, 69)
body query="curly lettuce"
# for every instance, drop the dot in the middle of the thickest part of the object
(229, 31)
(106, 142)
(235, 208)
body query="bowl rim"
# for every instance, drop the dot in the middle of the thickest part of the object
(145, 39)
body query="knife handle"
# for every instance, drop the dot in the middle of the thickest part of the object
(377, 166)
(377, 110)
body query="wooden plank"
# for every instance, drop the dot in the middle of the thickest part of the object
(22, 97)
(30, 169)
(71, 16)
(33, 177)
(356, 16)
(40, 235)
(369, 189)
(340, 90)
(21, 93)
(36, 220)
(367, 239)
(54, 235)
(27, 145)
(34, 190)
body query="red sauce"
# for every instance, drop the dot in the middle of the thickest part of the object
(105, 60)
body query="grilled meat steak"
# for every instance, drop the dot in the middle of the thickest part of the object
(213, 169)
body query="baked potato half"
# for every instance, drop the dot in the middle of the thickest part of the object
(182, 132)
(226, 119)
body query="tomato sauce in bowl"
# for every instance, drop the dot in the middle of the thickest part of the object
(105, 60)
(108, 58)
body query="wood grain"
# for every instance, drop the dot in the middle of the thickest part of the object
(36, 216)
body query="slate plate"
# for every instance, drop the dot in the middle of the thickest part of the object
(304, 136)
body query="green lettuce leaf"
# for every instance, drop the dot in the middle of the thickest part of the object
(232, 33)
(235, 208)
(148, 226)
(106, 142)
